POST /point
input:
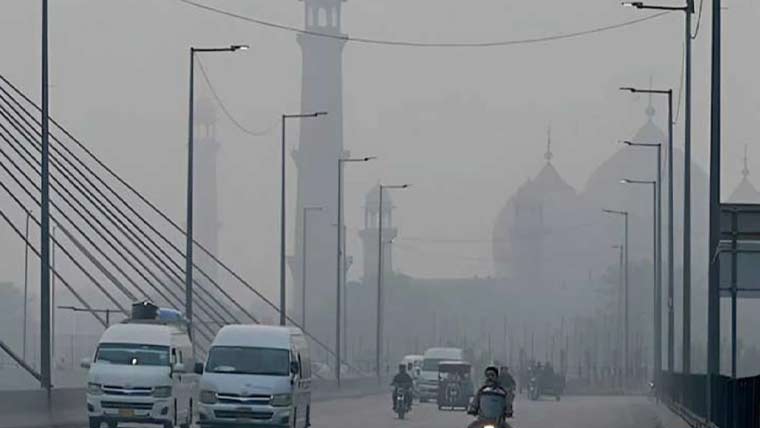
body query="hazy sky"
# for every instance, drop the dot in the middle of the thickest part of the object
(465, 126)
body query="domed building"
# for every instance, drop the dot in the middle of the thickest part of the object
(536, 230)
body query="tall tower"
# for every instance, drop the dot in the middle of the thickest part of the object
(206, 188)
(369, 235)
(316, 159)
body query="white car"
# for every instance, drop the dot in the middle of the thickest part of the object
(256, 375)
(141, 373)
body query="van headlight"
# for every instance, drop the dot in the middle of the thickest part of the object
(162, 391)
(281, 400)
(208, 397)
(94, 388)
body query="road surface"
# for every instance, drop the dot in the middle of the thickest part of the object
(570, 412)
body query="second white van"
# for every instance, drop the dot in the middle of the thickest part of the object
(256, 375)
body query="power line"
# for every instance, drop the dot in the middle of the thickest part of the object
(227, 113)
(413, 44)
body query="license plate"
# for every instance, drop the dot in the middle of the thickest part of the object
(126, 413)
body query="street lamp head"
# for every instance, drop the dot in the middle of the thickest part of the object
(636, 4)
(629, 89)
(234, 48)
(624, 181)
(369, 158)
(320, 113)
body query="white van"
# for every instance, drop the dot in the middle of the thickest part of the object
(427, 384)
(413, 364)
(256, 375)
(141, 372)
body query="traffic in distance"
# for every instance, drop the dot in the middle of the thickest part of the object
(146, 370)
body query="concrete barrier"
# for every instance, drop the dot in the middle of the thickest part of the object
(65, 407)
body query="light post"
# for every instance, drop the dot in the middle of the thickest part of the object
(340, 261)
(671, 314)
(625, 292)
(26, 284)
(190, 167)
(106, 311)
(306, 211)
(285, 117)
(688, 11)
(654, 231)
(658, 257)
(621, 278)
(379, 338)
(45, 364)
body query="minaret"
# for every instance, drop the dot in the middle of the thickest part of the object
(206, 189)
(316, 159)
(369, 236)
(548, 155)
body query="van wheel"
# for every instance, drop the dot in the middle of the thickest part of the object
(94, 423)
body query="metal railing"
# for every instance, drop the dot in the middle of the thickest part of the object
(736, 403)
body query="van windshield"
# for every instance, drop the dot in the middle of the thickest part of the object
(246, 360)
(431, 364)
(132, 354)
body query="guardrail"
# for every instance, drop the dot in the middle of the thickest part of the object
(65, 407)
(737, 400)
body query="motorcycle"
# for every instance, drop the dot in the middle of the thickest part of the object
(490, 411)
(403, 402)
(533, 389)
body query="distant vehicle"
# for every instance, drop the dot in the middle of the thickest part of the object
(413, 365)
(256, 375)
(454, 385)
(427, 384)
(142, 371)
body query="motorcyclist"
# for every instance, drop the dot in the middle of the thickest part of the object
(491, 381)
(404, 381)
(508, 384)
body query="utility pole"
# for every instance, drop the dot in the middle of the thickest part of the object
(713, 300)
(45, 368)
(340, 263)
(687, 197)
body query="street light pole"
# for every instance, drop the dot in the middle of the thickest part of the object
(304, 233)
(625, 292)
(190, 177)
(283, 308)
(26, 284)
(688, 10)
(45, 366)
(654, 238)
(340, 262)
(379, 332)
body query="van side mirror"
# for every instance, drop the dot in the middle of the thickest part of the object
(198, 369)
(294, 367)
(85, 363)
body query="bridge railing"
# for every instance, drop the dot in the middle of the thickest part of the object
(736, 403)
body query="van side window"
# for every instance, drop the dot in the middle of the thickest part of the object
(180, 360)
(174, 356)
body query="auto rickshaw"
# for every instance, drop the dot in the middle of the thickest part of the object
(454, 385)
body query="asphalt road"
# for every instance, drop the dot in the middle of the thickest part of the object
(570, 412)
